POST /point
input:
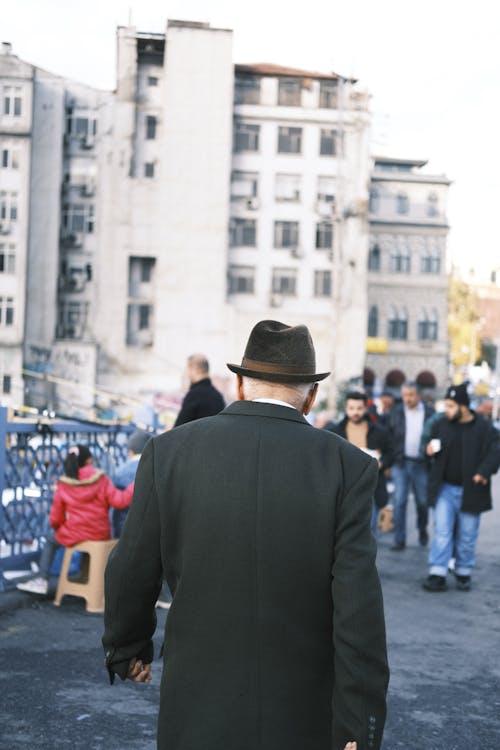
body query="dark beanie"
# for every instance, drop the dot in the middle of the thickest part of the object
(459, 394)
(137, 441)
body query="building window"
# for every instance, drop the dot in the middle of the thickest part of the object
(373, 321)
(12, 101)
(402, 203)
(374, 200)
(244, 185)
(6, 311)
(328, 143)
(427, 327)
(241, 280)
(289, 140)
(10, 158)
(432, 205)
(83, 128)
(246, 137)
(72, 320)
(7, 258)
(289, 91)
(78, 218)
(400, 261)
(152, 81)
(150, 127)
(243, 233)
(326, 189)
(324, 235)
(285, 282)
(398, 324)
(328, 94)
(6, 384)
(139, 325)
(140, 277)
(430, 263)
(322, 283)
(149, 169)
(287, 187)
(374, 258)
(286, 234)
(8, 206)
(247, 90)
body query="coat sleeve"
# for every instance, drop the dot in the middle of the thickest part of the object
(133, 577)
(361, 670)
(115, 497)
(491, 461)
(57, 510)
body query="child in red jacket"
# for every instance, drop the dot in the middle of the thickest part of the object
(79, 512)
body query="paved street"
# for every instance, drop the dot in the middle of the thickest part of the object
(444, 652)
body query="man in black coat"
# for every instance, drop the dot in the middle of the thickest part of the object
(465, 451)
(361, 431)
(202, 399)
(260, 523)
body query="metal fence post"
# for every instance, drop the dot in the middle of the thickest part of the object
(3, 451)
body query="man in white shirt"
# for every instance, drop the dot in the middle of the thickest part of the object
(409, 470)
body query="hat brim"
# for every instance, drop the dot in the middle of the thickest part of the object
(278, 377)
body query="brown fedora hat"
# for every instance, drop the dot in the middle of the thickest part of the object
(280, 354)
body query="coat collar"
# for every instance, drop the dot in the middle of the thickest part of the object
(92, 479)
(260, 409)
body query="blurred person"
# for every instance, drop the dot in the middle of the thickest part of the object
(358, 429)
(386, 402)
(241, 511)
(79, 511)
(202, 398)
(465, 451)
(125, 474)
(409, 470)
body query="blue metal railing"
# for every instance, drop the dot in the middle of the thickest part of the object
(31, 460)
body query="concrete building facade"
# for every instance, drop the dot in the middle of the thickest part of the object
(407, 276)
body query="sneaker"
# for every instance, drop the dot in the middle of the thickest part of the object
(162, 603)
(435, 583)
(35, 586)
(462, 582)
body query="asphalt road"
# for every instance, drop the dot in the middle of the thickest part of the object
(444, 652)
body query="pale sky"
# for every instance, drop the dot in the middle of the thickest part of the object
(432, 69)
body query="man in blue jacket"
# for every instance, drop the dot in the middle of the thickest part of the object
(465, 450)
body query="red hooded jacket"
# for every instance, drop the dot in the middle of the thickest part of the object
(80, 508)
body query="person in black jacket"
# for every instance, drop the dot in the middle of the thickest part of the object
(202, 399)
(465, 450)
(358, 429)
(239, 511)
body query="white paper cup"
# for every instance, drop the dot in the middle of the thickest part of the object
(436, 445)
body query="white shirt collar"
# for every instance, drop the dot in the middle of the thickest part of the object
(273, 401)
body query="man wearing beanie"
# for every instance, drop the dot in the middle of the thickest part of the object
(465, 451)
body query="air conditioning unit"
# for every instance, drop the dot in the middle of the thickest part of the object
(87, 190)
(4, 228)
(253, 204)
(323, 208)
(276, 300)
(87, 143)
(296, 252)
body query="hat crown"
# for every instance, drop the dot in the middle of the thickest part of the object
(279, 352)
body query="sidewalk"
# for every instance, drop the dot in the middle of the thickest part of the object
(443, 649)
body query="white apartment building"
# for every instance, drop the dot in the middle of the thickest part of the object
(407, 276)
(299, 199)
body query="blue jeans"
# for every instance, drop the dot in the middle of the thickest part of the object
(409, 475)
(448, 520)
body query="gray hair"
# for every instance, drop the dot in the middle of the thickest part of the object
(293, 393)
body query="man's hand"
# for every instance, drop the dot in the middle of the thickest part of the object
(351, 746)
(139, 672)
(479, 479)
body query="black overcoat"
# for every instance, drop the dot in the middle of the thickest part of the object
(275, 639)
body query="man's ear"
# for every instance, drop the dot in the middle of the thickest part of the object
(239, 388)
(311, 398)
